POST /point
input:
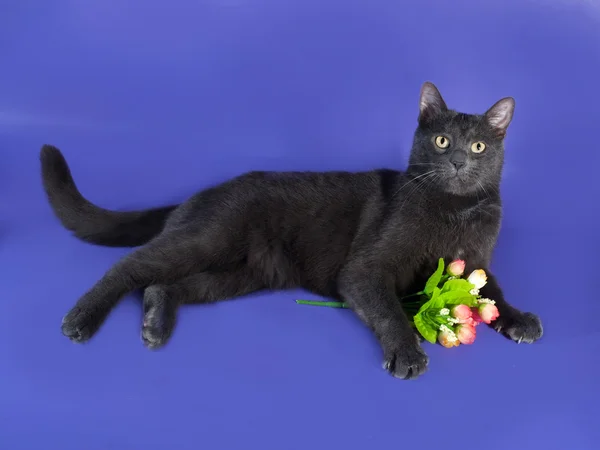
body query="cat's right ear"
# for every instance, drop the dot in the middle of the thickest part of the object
(431, 103)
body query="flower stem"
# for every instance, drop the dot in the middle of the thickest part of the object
(413, 295)
(322, 303)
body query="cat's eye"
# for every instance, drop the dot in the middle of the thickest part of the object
(442, 142)
(477, 147)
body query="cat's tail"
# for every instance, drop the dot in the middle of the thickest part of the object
(89, 222)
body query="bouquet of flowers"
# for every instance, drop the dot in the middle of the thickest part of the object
(448, 309)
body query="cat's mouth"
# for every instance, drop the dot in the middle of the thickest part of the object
(460, 175)
(460, 182)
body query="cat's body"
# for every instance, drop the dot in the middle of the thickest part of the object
(365, 238)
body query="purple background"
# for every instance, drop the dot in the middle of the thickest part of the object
(151, 100)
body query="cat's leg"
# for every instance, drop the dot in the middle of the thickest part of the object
(164, 260)
(160, 314)
(372, 296)
(161, 301)
(512, 323)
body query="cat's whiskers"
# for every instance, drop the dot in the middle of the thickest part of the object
(416, 187)
(427, 179)
(412, 181)
(483, 189)
(430, 181)
(495, 189)
(479, 207)
(482, 210)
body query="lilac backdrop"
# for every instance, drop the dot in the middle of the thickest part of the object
(150, 101)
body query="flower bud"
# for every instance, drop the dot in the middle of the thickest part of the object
(478, 278)
(466, 334)
(447, 337)
(456, 268)
(488, 312)
(461, 312)
(475, 317)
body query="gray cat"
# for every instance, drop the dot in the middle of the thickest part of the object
(366, 238)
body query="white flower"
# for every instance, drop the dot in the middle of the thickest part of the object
(486, 300)
(450, 335)
(474, 292)
(453, 320)
(478, 278)
(444, 312)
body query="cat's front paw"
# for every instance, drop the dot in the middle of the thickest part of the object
(405, 359)
(80, 324)
(520, 327)
(419, 336)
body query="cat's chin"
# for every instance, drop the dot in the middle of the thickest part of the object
(457, 185)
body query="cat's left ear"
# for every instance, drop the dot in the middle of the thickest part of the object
(499, 116)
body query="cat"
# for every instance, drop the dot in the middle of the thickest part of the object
(365, 238)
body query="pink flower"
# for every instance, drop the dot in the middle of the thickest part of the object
(456, 268)
(478, 278)
(466, 333)
(475, 317)
(469, 321)
(488, 312)
(461, 312)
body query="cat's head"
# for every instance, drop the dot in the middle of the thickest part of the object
(459, 153)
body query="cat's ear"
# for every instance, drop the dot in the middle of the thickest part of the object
(499, 116)
(431, 102)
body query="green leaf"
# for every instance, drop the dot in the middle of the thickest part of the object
(451, 298)
(436, 302)
(458, 284)
(433, 318)
(435, 278)
(433, 302)
(426, 330)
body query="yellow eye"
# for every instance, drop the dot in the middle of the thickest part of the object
(442, 142)
(477, 147)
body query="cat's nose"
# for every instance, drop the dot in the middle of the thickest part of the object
(458, 159)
